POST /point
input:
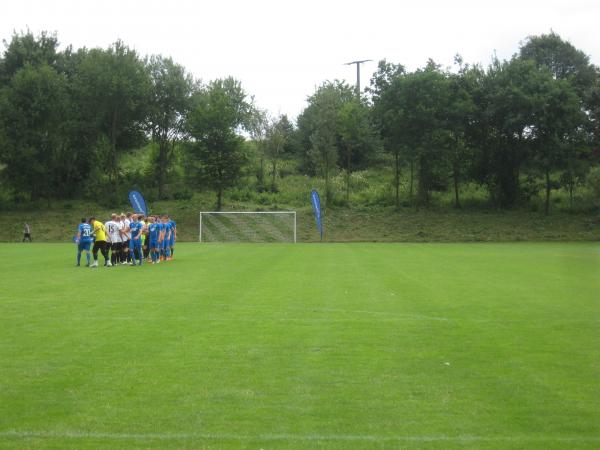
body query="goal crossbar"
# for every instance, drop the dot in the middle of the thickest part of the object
(246, 213)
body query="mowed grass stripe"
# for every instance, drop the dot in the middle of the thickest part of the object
(290, 437)
(247, 341)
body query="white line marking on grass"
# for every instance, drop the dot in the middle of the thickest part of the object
(397, 316)
(287, 437)
(390, 315)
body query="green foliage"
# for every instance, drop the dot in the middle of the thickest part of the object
(27, 49)
(413, 111)
(31, 111)
(113, 88)
(593, 183)
(170, 101)
(219, 111)
(562, 59)
(81, 121)
(318, 126)
(359, 141)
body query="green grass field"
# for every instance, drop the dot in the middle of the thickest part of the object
(281, 346)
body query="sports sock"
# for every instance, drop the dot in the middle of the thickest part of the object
(87, 256)
(78, 258)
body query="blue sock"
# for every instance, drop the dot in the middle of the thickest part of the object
(168, 252)
(78, 258)
(87, 256)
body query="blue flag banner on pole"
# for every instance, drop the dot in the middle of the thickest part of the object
(316, 203)
(138, 203)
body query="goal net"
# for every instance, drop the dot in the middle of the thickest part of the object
(258, 226)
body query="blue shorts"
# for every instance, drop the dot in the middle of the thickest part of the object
(135, 243)
(171, 242)
(153, 243)
(84, 246)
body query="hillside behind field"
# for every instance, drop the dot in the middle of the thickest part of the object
(57, 222)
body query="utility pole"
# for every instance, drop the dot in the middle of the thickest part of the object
(358, 63)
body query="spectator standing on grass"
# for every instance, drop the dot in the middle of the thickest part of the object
(26, 232)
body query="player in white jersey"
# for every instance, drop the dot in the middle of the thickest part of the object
(126, 237)
(113, 230)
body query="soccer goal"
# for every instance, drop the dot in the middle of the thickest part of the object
(247, 226)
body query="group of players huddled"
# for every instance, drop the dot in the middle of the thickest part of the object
(129, 238)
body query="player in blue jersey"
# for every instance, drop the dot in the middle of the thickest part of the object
(154, 231)
(167, 237)
(161, 238)
(173, 238)
(135, 244)
(85, 237)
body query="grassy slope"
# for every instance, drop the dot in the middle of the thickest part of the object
(369, 218)
(297, 346)
(384, 224)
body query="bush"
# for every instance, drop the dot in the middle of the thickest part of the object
(183, 194)
(593, 183)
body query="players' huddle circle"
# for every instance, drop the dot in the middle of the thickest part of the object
(128, 238)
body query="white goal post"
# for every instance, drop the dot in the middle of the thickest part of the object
(247, 226)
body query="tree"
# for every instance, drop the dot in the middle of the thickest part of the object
(113, 90)
(277, 134)
(460, 115)
(219, 111)
(503, 98)
(291, 145)
(170, 101)
(554, 126)
(413, 112)
(27, 49)
(258, 127)
(358, 138)
(592, 101)
(562, 59)
(573, 175)
(31, 110)
(331, 95)
(386, 119)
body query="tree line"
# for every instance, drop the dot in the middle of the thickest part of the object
(68, 117)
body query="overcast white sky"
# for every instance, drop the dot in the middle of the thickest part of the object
(281, 50)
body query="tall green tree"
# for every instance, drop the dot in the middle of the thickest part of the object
(277, 135)
(220, 111)
(562, 59)
(460, 113)
(169, 102)
(258, 126)
(31, 144)
(504, 111)
(415, 119)
(359, 140)
(556, 120)
(28, 49)
(386, 118)
(331, 95)
(113, 88)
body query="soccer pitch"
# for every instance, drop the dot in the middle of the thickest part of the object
(281, 346)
